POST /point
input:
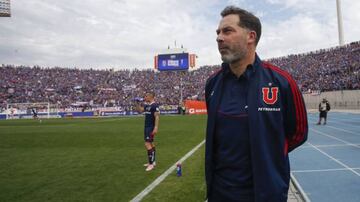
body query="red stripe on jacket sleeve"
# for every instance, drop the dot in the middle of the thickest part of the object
(300, 134)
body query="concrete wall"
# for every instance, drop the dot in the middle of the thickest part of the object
(346, 99)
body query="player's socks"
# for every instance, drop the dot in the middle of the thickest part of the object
(154, 154)
(150, 155)
(150, 166)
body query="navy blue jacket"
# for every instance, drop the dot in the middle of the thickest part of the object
(277, 125)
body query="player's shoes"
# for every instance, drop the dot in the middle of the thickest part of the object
(147, 164)
(149, 167)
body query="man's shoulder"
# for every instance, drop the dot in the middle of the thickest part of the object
(279, 73)
(155, 106)
(214, 75)
(274, 68)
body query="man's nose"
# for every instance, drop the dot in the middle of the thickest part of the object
(219, 38)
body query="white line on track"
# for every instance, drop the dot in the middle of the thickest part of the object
(299, 188)
(336, 121)
(330, 136)
(332, 145)
(340, 119)
(158, 180)
(341, 129)
(347, 131)
(340, 122)
(337, 161)
(322, 170)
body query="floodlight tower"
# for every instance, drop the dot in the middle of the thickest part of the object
(340, 23)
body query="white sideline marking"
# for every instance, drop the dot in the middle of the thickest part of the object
(299, 188)
(158, 180)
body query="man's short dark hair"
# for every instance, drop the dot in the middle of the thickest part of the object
(247, 19)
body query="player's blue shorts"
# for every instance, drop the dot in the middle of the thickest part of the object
(148, 135)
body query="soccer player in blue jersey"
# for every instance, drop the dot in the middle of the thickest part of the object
(152, 114)
(256, 116)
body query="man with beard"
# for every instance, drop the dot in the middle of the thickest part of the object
(256, 116)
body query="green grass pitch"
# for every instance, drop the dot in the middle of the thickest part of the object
(98, 159)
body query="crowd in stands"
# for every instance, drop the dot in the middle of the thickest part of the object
(324, 70)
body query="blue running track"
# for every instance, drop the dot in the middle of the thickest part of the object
(327, 166)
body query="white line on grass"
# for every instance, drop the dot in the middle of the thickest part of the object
(107, 119)
(158, 180)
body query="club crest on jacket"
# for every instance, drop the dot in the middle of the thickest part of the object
(270, 98)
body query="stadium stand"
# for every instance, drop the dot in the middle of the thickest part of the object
(336, 68)
(325, 70)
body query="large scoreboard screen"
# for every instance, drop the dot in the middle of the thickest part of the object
(175, 61)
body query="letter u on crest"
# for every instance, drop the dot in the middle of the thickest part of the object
(274, 95)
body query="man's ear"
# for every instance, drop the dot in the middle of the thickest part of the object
(252, 37)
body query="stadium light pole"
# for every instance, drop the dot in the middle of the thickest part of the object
(340, 23)
(181, 90)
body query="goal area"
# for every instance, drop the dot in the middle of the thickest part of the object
(25, 110)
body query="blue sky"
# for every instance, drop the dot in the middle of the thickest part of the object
(128, 33)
